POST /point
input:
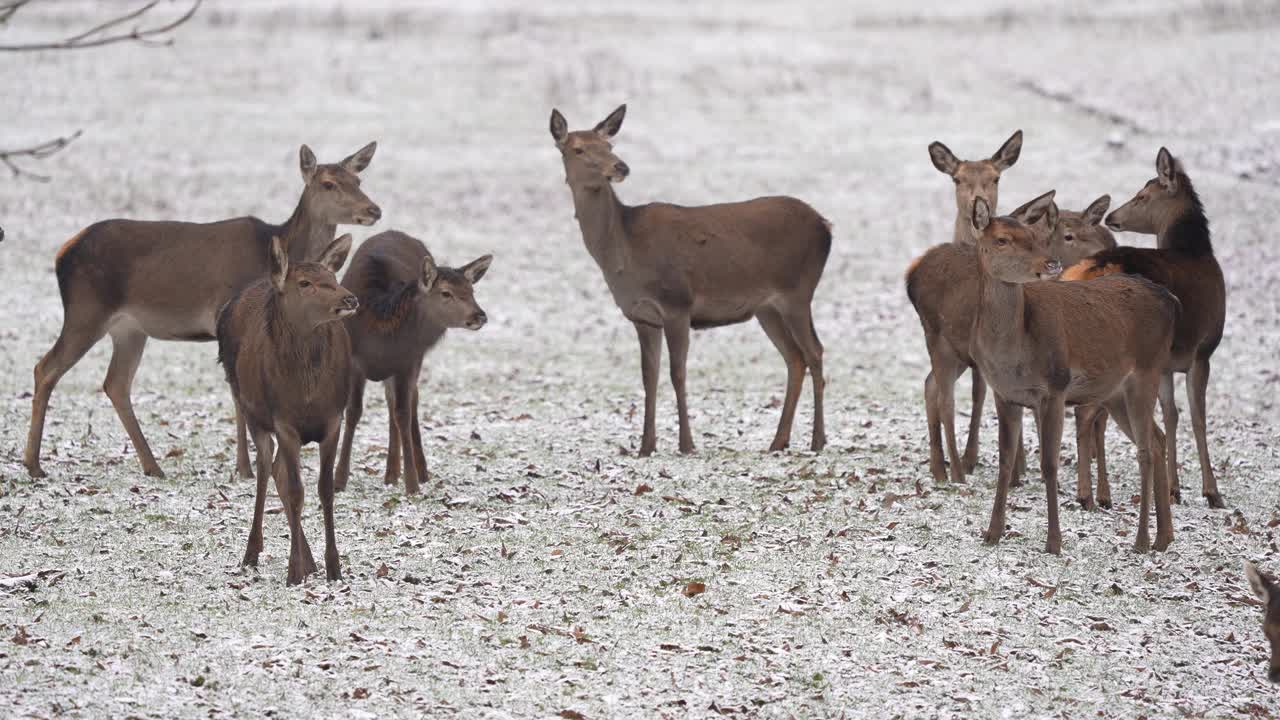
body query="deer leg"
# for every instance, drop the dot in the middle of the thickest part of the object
(1010, 418)
(1019, 461)
(288, 477)
(126, 354)
(1140, 398)
(329, 448)
(937, 464)
(800, 322)
(1085, 415)
(392, 474)
(355, 409)
(650, 363)
(70, 346)
(1100, 453)
(771, 321)
(420, 456)
(677, 332)
(1197, 386)
(1049, 421)
(946, 404)
(243, 468)
(262, 440)
(1169, 409)
(975, 419)
(404, 424)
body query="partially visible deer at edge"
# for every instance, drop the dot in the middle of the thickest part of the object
(672, 268)
(1269, 593)
(287, 359)
(135, 280)
(407, 303)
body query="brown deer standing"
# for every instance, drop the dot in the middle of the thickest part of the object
(943, 289)
(1045, 345)
(671, 268)
(167, 280)
(1265, 588)
(973, 179)
(407, 303)
(1183, 262)
(288, 361)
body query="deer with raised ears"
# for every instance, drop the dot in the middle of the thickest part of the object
(287, 359)
(672, 268)
(1046, 345)
(1183, 261)
(1269, 593)
(166, 280)
(407, 303)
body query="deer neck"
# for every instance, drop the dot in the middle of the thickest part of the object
(599, 214)
(304, 235)
(963, 233)
(1000, 324)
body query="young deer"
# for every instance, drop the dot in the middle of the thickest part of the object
(943, 289)
(1183, 262)
(407, 303)
(973, 179)
(1267, 591)
(1045, 345)
(136, 280)
(671, 268)
(288, 361)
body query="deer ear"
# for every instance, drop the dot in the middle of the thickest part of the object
(307, 163)
(1008, 153)
(279, 263)
(1167, 170)
(610, 126)
(1262, 587)
(943, 158)
(476, 269)
(1097, 210)
(336, 254)
(1031, 212)
(559, 128)
(981, 214)
(429, 273)
(359, 160)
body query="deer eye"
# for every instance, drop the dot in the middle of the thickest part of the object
(446, 295)
(578, 151)
(329, 185)
(1069, 237)
(996, 181)
(304, 283)
(1002, 241)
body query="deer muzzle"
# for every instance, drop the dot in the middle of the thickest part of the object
(1051, 269)
(369, 215)
(350, 304)
(477, 321)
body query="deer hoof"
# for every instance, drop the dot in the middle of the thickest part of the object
(1215, 501)
(153, 471)
(991, 537)
(778, 446)
(970, 464)
(1142, 545)
(1163, 542)
(250, 559)
(1087, 503)
(818, 444)
(687, 449)
(1053, 546)
(36, 472)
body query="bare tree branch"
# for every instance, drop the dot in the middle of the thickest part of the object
(36, 152)
(101, 34)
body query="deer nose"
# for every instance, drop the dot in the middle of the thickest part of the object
(622, 168)
(1113, 222)
(477, 321)
(351, 302)
(374, 212)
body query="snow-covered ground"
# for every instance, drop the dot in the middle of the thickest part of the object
(534, 578)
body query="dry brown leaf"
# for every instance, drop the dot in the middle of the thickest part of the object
(694, 589)
(643, 488)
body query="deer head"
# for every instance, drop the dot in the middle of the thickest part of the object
(332, 193)
(1161, 201)
(309, 293)
(448, 294)
(1266, 590)
(1009, 250)
(588, 154)
(976, 179)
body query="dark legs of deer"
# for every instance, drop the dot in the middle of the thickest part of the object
(74, 341)
(403, 414)
(420, 455)
(243, 468)
(288, 477)
(1197, 386)
(773, 326)
(800, 323)
(975, 420)
(1169, 409)
(650, 363)
(1010, 418)
(262, 440)
(1091, 424)
(355, 409)
(1049, 422)
(676, 329)
(1100, 452)
(392, 474)
(127, 347)
(328, 448)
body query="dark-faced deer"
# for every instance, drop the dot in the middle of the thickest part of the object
(943, 289)
(288, 361)
(136, 280)
(407, 303)
(1046, 345)
(1183, 261)
(973, 179)
(671, 268)
(1267, 591)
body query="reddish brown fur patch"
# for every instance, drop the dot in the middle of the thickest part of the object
(1086, 270)
(67, 246)
(915, 263)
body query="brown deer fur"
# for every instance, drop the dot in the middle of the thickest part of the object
(287, 359)
(407, 303)
(1046, 345)
(136, 280)
(1269, 593)
(672, 268)
(1183, 261)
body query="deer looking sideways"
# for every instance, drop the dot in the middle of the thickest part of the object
(407, 303)
(167, 280)
(288, 362)
(1045, 345)
(671, 268)
(1269, 593)
(943, 289)
(1183, 262)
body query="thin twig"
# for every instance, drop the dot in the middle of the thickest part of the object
(98, 35)
(36, 152)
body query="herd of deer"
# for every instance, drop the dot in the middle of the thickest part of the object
(1041, 305)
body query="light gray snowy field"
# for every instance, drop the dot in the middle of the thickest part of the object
(534, 578)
